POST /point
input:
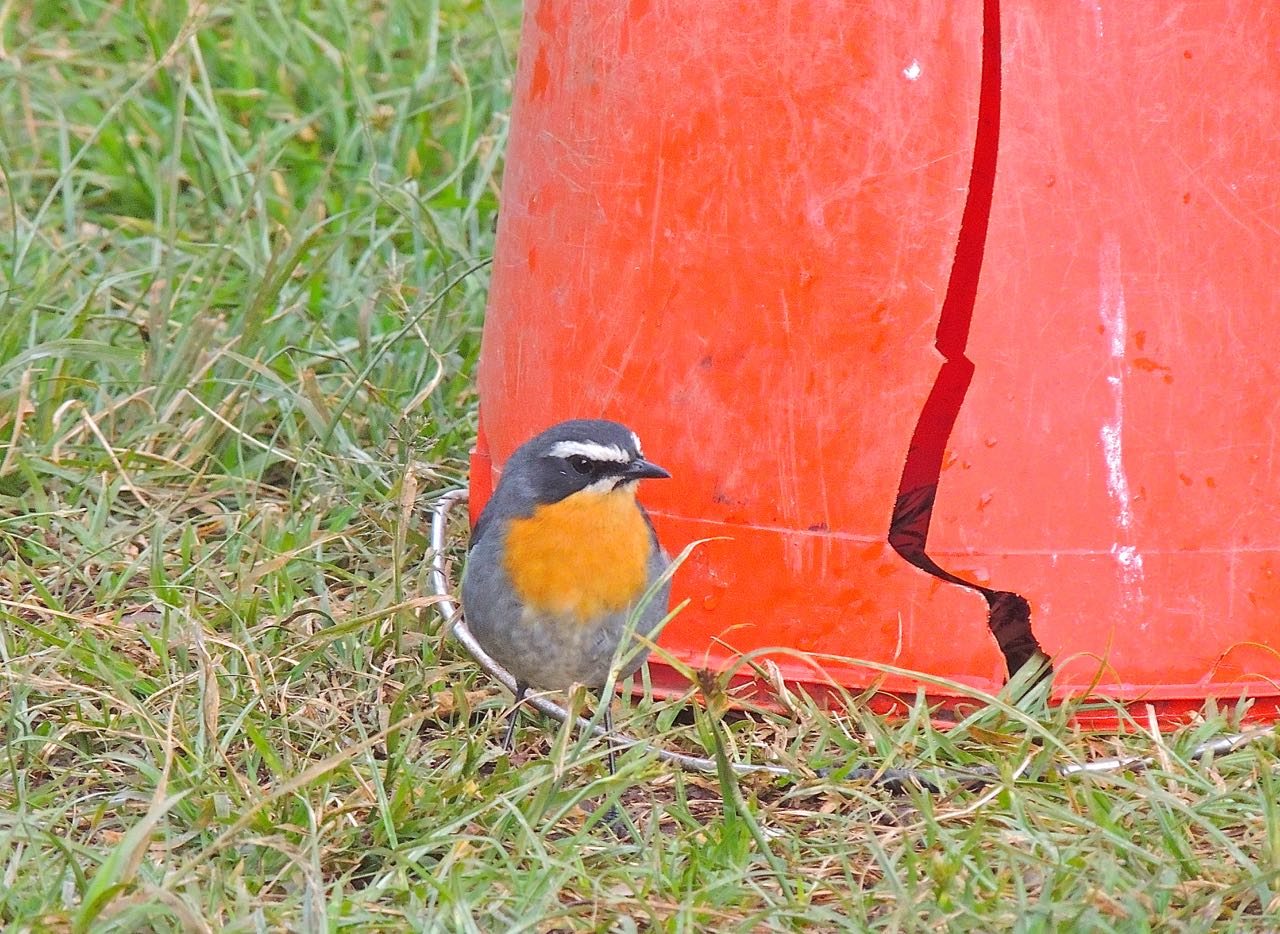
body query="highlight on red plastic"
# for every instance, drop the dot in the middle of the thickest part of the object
(957, 324)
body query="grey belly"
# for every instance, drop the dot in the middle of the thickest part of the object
(551, 652)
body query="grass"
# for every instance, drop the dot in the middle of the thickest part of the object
(243, 253)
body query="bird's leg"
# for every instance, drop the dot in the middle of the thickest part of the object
(509, 738)
(608, 738)
(613, 817)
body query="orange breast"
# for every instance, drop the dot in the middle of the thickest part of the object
(583, 556)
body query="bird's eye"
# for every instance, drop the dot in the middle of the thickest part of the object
(580, 464)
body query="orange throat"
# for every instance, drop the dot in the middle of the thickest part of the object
(584, 556)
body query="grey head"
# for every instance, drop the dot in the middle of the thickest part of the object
(567, 458)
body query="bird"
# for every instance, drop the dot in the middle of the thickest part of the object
(562, 557)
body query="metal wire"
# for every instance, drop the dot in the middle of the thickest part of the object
(1216, 747)
(895, 778)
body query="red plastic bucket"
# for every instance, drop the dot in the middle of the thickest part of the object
(910, 297)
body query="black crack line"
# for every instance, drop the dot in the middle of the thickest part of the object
(1009, 616)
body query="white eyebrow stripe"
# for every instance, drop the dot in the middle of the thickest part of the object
(590, 450)
(636, 439)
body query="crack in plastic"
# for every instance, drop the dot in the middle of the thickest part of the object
(1009, 614)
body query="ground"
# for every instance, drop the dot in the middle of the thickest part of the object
(244, 253)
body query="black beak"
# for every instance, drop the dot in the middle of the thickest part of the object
(643, 470)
